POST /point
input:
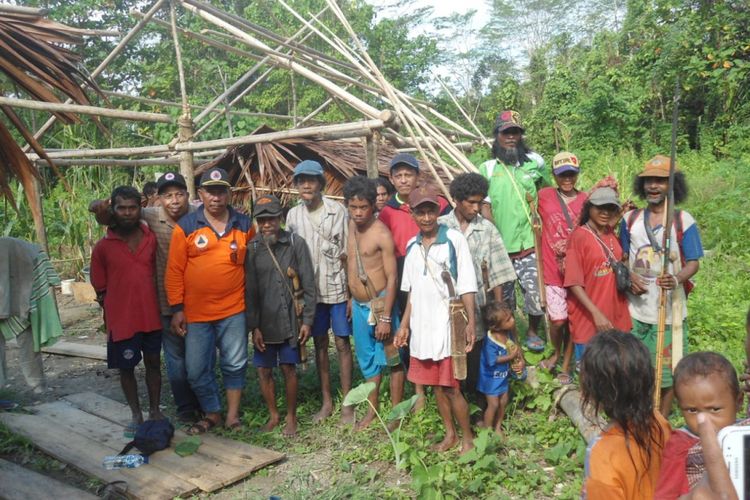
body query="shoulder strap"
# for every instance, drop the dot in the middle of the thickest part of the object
(361, 273)
(679, 228)
(564, 207)
(633, 216)
(284, 277)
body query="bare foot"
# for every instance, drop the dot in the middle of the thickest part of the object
(324, 413)
(365, 422)
(156, 415)
(499, 431)
(481, 425)
(448, 442)
(273, 421)
(347, 415)
(290, 429)
(392, 425)
(466, 446)
(419, 405)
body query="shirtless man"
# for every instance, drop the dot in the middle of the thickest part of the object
(372, 273)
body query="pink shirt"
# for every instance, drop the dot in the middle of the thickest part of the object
(555, 232)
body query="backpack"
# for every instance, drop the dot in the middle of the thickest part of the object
(680, 232)
(151, 436)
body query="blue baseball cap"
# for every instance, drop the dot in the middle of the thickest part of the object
(405, 159)
(308, 167)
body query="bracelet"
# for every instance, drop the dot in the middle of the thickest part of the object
(384, 319)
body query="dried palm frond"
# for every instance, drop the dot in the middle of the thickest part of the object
(34, 57)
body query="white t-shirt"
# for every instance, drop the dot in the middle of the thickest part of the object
(430, 316)
(647, 263)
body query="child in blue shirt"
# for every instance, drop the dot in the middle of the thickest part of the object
(500, 358)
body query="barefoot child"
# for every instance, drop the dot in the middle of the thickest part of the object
(372, 277)
(704, 382)
(436, 249)
(500, 357)
(617, 380)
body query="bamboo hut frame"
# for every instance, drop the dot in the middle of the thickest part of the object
(349, 67)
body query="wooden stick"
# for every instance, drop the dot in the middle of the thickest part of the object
(108, 162)
(102, 65)
(86, 110)
(254, 83)
(371, 148)
(17, 9)
(465, 115)
(172, 104)
(320, 132)
(284, 61)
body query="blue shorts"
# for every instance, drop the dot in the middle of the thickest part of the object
(126, 354)
(370, 351)
(331, 316)
(578, 350)
(275, 355)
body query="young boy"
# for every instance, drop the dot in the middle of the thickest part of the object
(704, 382)
(372, 277)
(436, 249)
(123, 267)
(500, 356)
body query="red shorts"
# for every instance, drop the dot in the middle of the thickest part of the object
(431, 372)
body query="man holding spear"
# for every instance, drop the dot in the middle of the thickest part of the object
(660, 277)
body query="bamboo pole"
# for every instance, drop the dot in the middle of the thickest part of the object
(258, 80)
(196, 107)
(102, 65)
(320, 132)
(185, 133)
(284, 61)
(243, 24)
(371, 149)
(281, 191)
(108, 162)
(18, 9)
(85, 110)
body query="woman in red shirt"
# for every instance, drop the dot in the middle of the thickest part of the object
(594, 304)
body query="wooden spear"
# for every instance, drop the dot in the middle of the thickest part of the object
(667, 248)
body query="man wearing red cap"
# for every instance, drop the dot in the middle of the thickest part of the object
(641, 237)
(435, 250)
(514, 174)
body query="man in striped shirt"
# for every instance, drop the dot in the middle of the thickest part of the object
(322, 223)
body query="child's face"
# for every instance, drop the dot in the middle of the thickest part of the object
(505, 322)
(710, 395)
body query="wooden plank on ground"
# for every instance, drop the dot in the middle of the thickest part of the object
(199, 470)
(222, 449)
(86, 454)
(20, 483)
(65, 348)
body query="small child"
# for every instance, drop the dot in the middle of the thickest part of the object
(498, 352)
(617, 380)
(704, 382)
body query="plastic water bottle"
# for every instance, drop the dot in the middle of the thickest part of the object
(124, 461)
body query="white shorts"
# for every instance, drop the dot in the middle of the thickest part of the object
(557, 305)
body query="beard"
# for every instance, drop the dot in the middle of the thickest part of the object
(270, 239)
(509, 156)
(126, 226)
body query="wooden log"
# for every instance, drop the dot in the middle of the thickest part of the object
(86, 110)
(18, 9)
(371, 148)
(103, 65)
(285, 61)
(569, 400)
(186, 157)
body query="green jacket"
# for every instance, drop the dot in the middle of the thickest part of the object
(507, 195)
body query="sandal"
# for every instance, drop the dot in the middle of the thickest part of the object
(130, 430)
(564, 378)
(535, 344)
(202, 426)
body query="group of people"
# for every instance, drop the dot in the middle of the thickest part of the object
(388, 268)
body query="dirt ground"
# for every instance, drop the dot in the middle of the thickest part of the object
(300, 473)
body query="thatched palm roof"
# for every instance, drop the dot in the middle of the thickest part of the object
(33, 57)
(269, 167)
